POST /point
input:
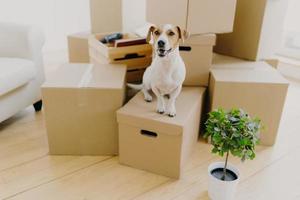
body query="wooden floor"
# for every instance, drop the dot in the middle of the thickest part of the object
(28, 172)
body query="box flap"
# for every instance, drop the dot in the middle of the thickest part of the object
(87, 76)
(141, 114)
(201, 39)
(265, 74)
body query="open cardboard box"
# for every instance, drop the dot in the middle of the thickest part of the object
(135, 56)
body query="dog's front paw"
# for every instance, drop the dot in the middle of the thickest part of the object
(148, 99)
(160, 111)
(171, 112)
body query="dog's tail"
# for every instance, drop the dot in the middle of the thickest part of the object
(135, 86)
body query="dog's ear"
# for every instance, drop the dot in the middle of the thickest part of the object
(183, 34)
(150, 31)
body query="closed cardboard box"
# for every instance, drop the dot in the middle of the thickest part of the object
(80, 103)
(158, 143)
(197, 56)
(78, 47)
(257, 32)
(196, 16)
(106, 15)
(260, 92)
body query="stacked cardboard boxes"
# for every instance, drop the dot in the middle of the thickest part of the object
(257, 32)
(83, 102)
(196, 16)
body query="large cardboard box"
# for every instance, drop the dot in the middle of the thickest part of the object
(261, 92)
(78, 47)
(158, 143)
(106, 15)
(80, 103)
(257, 32)
(196, 16)
(197, 56)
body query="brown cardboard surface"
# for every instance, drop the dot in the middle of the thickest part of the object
(197, 16)
(80, 103)
(261, 93)
(198, 60)
(78, 47)
(133, 63)
(106, 15)
(176, 137)
(257, 31)
(211, 16)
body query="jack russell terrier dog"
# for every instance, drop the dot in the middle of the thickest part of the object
(166, 73)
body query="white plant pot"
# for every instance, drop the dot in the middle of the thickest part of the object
(222, 190)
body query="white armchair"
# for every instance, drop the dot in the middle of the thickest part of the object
(21, 68)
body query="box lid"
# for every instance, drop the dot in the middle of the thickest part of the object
(141, 114)
(87, 76)
(264, 75)
(228, 62)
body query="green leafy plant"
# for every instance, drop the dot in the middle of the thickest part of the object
(232, 132)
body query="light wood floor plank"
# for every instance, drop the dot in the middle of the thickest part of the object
(106, 180)
(44, 170)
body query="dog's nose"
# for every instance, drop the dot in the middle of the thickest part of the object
(161, 43)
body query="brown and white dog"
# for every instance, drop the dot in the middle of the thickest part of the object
(166, 73)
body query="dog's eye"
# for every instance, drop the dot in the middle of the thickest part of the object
(156, 32)
(171, 33)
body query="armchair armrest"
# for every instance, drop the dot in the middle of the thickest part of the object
(21, 41)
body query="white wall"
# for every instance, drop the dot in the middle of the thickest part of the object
(292, 21)
(57, 18)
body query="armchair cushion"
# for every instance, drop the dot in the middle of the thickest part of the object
(15, 72)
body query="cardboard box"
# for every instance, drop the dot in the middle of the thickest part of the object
(78, 47)
(258, 30)
(260, 92)
(80, 103)
(158, 143)
(197, 56)
(106, 15)
(196, 16)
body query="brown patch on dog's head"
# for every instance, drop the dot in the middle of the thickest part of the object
(183, 34)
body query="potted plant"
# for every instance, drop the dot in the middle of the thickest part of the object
(230, 132)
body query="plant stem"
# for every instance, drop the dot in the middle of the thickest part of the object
(225, 167)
